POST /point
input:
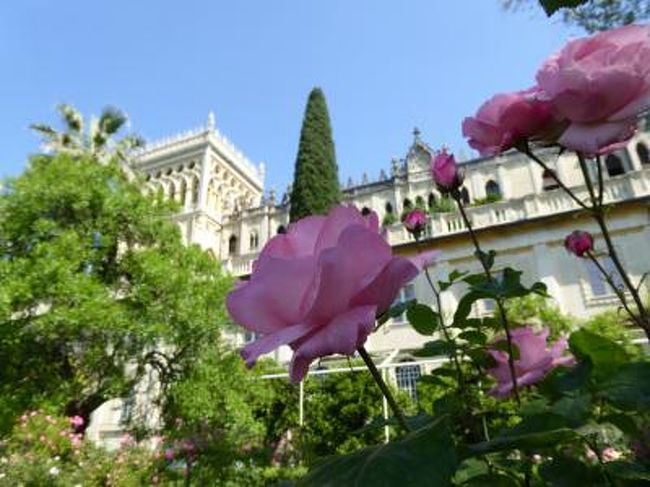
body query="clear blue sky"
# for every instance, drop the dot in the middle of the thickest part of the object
(385, 67)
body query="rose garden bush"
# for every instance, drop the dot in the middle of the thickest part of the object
(511, 407)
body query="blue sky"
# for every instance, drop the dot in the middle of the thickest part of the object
(384, 66)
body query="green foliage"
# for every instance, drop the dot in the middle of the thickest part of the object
(388, 220)
(315, 181)
(424, 457)
(591, 15)
(94, 276)
(490, 198)
(444, 204)
(538, 310)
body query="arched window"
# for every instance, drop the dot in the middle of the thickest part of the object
(281, 229)
(419, 201)
(195, 191)
(492, 189)
(407, 204)
(407, 377)
(548, 181)
(365, 211)
(232, 245)
(389, 207)
(172, 190)
(614, 165)
(431, 200)
(642, 152)
(253, 240)
(183, 193)
(464, 195)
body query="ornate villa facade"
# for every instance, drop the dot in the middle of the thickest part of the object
(516, 208)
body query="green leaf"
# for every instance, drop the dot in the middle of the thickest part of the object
(545, 429)
(552, 6)
(575, 409)
(629, 387)
(628, 471)
(492, 480)
(423, 319)
(474, 336)
(564, 471)
(465, 306)
(424, 457)
(486, 257)
(481, 358)
(605, 355)
(435, 348)
(564, 379)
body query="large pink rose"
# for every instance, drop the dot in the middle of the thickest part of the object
(534, 362)
(599, 84)
(506, 119)
(319, 287)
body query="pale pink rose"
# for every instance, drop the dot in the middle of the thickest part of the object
(599, 85)
(534, 362)
(579, 242)
(506, 119)
(76, 421)
(319, 287)
(610, 454)
(445, 172)
(415, 221)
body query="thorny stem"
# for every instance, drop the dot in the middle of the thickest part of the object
(453, 354)
(598, 213)
(499, 300)
(526, 150)
(384, 388)
(620, 294)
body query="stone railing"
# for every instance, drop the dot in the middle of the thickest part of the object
(628, 186)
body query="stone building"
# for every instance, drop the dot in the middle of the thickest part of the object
(516, 208)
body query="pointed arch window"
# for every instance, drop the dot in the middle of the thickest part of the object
(492, 189)
(548, 180)
(253, 241)
(172, 190)
(464, 195)
(614, 165)
(195, 191)
(183, 192)
(232, 245)
(389, 207)
(642, 152)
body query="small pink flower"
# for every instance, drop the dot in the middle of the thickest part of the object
(599, 85)
(506, 119)
(415, 221)
(445, 172)
(534, 362)
(579, 242)
(610, 454)
(76, 421)
(42, 439)
(169, 454)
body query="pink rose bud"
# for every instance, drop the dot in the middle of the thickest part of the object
(445, 172)
(534, 362)
(76, 421)
(579, 242)
(169, 454)
(610, 454)
(415, 221)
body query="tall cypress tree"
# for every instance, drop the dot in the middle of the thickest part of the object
(315, 180)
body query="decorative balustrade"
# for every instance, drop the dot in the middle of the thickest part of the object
(629, 186)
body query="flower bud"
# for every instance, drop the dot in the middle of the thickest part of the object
(415, 221)
(446, 173)
(579, 242)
